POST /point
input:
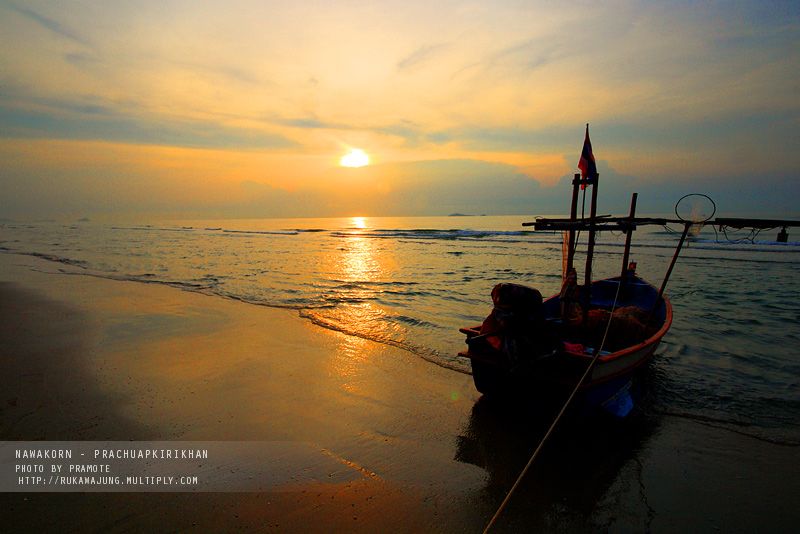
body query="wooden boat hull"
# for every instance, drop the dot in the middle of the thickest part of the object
(551, 379)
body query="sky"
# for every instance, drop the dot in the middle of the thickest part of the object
(244, 109)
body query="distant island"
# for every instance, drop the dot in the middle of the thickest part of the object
(85, 219)
(466, 215)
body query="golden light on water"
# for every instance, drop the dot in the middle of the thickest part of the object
(359, 261)
(356, 158)
(357, 271)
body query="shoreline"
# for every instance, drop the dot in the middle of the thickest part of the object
(92, 359)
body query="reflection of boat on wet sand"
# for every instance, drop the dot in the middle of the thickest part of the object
(589, 339)
(575, 476)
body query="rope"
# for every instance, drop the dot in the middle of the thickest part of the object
(558, 417)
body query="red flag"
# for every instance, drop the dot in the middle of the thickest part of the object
(586, 163)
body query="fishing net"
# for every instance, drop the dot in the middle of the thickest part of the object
(695, 208)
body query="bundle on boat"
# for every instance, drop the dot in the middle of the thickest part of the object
(519, 332)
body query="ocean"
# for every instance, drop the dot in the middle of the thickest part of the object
(731, 357)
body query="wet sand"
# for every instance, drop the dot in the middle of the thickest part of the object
(414, 446)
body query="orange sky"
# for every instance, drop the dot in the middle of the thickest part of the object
(245, 108)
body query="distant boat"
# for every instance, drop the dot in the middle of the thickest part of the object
(585, 343)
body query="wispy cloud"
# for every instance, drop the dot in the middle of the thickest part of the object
(52, 25)
(98, 119)
(420, 56)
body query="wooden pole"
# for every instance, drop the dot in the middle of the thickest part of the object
(623, 277)
(587, 288)
(573, 215)
(686, 227)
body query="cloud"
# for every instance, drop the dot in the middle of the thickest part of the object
(436, 187)
(25, 115)
(52, 25)
(423, 54)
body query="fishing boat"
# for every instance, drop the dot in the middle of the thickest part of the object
(545, 362)
(585, 343)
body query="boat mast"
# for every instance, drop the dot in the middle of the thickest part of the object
(573, 216)
(587, 288)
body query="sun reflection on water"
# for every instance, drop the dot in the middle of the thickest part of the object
(358, 272)
(348, 365)
(360, 260)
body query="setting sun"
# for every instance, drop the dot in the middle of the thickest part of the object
(356, 158)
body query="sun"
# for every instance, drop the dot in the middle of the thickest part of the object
(356, 158)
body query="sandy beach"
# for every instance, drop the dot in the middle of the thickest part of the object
(413, 446)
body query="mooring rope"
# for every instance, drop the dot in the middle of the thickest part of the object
(558, 417)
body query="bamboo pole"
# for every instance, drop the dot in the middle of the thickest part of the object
(573, 215)
(587, 288)
(623, 277)
(686, 227)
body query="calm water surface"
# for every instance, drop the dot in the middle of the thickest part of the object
(731, 356)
